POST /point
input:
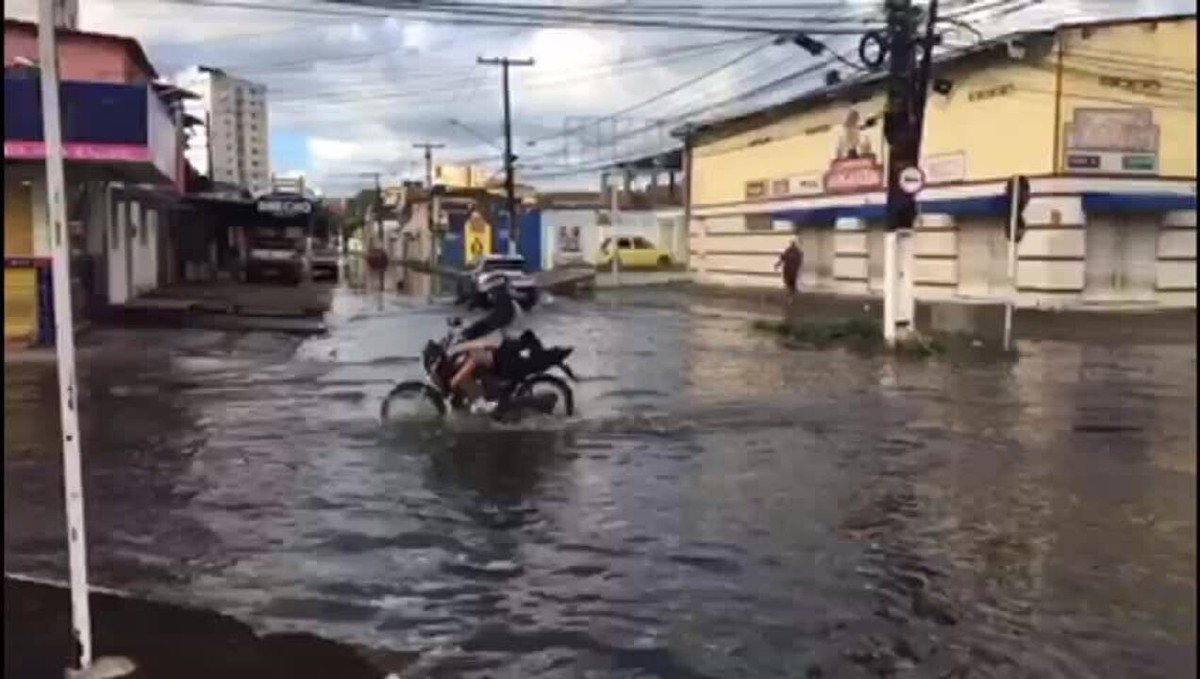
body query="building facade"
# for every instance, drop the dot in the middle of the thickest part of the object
(122, 136)
(1100, 117)
(232, 143)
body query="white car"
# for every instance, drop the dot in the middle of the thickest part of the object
(524, 287)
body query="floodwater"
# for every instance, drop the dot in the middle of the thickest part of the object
(720, 507)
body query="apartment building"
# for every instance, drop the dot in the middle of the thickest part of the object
(232, 145)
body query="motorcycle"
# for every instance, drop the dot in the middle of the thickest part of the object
(520, 380)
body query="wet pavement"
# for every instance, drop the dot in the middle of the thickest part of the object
(720, 507)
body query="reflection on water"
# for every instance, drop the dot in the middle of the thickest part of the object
(720, 508)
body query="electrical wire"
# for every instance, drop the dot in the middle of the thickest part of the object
(654, 59)
(483, 16)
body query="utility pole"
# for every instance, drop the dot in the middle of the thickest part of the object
(509, 188)
(50, 17)
(903, 125)
(429, 147)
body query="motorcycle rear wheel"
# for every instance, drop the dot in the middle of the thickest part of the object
(410, 391)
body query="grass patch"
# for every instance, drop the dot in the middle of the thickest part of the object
(865, 335)
(861, 334)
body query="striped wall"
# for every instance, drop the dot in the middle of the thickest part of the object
(1066, 258)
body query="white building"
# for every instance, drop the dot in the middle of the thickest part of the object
(232, 145)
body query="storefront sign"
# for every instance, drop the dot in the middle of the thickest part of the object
(991, 92)
(32, 150)
(1117, 141)
(805, 185)
(854, 174)
(1083, 161)
(945, 168)
(1139, 85)
(284, 207)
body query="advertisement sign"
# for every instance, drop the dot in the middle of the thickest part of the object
(568, 245)
(478, 241)
(854, 167)
(945, 168)
(1111, 141)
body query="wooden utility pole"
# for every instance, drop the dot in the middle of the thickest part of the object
(904, 122)
(509, 186)
(429, 147)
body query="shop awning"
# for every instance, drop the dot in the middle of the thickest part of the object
(1137, 202)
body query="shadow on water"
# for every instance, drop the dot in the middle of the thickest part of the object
(719, 508)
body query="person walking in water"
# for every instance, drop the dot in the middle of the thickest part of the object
(790, 260)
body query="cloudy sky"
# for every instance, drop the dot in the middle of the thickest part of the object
(352, 89)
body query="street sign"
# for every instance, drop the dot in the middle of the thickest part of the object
(912, 180)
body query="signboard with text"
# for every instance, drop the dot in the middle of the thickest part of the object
(851, 175)
(1111, 141)
(280, 206)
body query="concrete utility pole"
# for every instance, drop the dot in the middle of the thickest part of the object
(509, 188)
(904, 121)
(50, 17)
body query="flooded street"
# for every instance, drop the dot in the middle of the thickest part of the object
(720, 506)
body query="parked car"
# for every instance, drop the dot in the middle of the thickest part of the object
(634, 252)
(524, 287)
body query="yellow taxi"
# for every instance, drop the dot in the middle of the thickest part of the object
(635, 252)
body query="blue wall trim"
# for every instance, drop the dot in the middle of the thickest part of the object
(1137, 202)
(985, 205)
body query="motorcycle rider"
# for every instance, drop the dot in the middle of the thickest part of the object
(482, 339)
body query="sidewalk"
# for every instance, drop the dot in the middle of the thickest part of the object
(982, 320)
(170, 641)
(226, 305)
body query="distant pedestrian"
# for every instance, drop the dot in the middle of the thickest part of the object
(791, 260)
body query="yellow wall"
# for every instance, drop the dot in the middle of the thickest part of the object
(20, 284)
(1161, 52)
(1010, 132)
(801, 144)
(18, 220)
(1016, 132)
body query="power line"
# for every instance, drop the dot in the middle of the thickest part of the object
(656, 58)
(481, 15)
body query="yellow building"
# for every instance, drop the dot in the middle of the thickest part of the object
(1101, 117)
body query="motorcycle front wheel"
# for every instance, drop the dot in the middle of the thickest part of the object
(412, 400)
(541, 387)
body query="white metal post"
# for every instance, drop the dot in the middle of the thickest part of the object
(68, 392)
(1013, 213)
(616, 237)
(891, 284)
